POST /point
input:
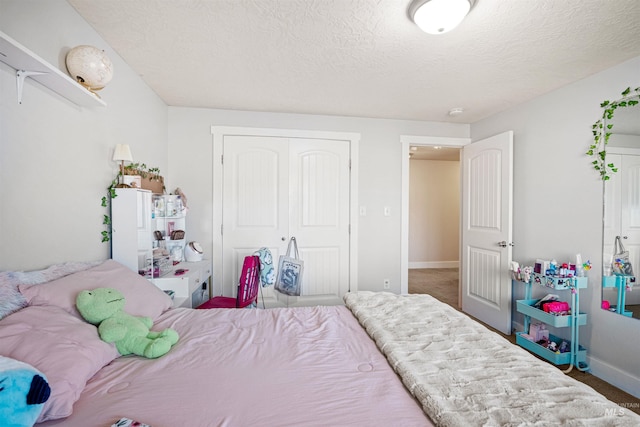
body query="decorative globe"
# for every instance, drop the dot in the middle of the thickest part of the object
(89, 66)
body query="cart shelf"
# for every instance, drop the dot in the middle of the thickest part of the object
(553, 357)
(559, 283)
(525, 306)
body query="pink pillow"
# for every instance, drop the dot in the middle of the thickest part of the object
(66, 349)
(143, 298)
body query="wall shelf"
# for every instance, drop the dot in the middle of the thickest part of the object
(29, 65)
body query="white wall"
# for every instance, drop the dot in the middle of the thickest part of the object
(434, 213)
(190, 152)
(55, 157)
(558, 203)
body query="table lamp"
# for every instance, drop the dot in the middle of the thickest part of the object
(120, 154)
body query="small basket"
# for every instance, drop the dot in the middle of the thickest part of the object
(161, 266)
(177, 235)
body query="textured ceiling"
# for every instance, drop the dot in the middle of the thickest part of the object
(362, 57)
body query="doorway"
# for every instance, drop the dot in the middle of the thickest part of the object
(407, 142)
(441, 283)
(486, 226)
(434, 222)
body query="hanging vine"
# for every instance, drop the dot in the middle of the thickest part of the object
(106, 220)
(602, 131)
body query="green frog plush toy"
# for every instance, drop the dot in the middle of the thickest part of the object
(104, 307)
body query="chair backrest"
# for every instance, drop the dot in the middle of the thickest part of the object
(249, 282)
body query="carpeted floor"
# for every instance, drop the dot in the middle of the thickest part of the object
(634, 309)
(442, 283)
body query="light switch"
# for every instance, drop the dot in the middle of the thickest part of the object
(387, 211)
(363, 211)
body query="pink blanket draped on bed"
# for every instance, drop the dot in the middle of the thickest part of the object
(310, 366)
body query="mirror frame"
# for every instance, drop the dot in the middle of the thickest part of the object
(602, 131)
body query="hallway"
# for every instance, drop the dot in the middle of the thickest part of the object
(441, 283)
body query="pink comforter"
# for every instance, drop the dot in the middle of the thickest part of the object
(310, 366)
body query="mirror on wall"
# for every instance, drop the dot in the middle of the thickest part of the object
(620, 171)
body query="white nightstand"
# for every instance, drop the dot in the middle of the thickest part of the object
(191, 288)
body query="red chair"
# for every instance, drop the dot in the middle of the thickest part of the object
(248, 286)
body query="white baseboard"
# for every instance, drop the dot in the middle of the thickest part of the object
(434, 264)
(302, 301)
(625, 381)
(516, 326)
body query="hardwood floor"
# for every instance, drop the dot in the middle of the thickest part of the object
(442, 283)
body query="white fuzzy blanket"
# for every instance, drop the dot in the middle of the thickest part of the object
(463, 374)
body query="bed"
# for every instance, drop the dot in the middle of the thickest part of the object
(380, 360)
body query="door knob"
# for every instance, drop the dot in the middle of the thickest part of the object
(502, 244)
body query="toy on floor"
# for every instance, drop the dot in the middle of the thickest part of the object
(23, 392)
(104, 307)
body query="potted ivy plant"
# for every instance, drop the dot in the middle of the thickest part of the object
(150, 177)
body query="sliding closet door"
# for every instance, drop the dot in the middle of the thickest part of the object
(275, 188)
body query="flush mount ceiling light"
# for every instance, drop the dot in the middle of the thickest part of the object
(439, 16)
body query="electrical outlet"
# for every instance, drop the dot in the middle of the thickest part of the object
(386, 284)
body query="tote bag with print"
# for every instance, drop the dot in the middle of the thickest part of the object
(290, 268)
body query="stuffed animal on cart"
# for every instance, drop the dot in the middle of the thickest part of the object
(131, 334)
(23, 392)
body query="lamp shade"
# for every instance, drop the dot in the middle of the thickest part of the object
(439, 16)
(122, 153)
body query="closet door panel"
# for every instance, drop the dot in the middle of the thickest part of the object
(319, 207)
(630, 207)
(256, 200)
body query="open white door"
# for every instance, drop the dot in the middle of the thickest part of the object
(487, 193)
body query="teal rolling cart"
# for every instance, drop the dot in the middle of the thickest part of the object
(577, 354)
(620, 283)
